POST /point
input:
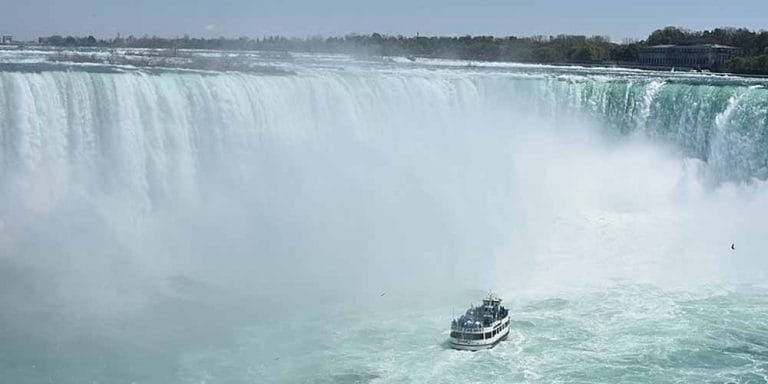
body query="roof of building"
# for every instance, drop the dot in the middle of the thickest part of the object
(667, 46)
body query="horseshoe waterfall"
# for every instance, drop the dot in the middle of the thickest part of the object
(317, 220)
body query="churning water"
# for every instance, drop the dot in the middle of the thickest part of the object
(322, 222)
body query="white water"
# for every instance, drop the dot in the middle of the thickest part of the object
(188, 221)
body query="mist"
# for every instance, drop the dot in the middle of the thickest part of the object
(147, 214)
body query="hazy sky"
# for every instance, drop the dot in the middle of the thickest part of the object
(28, 19)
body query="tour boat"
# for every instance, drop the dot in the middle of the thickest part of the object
(481, 327)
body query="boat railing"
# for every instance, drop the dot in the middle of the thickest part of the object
(461, 329)
(476, 328)
(456, 326)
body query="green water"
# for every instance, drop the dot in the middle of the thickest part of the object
(324, 222)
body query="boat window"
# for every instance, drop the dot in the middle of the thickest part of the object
(473, 336)
(467, 336)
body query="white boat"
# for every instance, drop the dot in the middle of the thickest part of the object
(481, 327)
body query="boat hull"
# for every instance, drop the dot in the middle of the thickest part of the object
(471, 345)
(467, 344)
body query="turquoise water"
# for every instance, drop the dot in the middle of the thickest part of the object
(323, 222)
(631, 334)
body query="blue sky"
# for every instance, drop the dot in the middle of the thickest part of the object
(27, 19)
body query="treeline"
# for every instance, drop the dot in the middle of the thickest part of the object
(539, 49)
(751, 43)
(753, 46)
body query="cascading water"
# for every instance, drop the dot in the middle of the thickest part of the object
(315, 225)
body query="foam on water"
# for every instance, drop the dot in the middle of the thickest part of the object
(319, 225)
